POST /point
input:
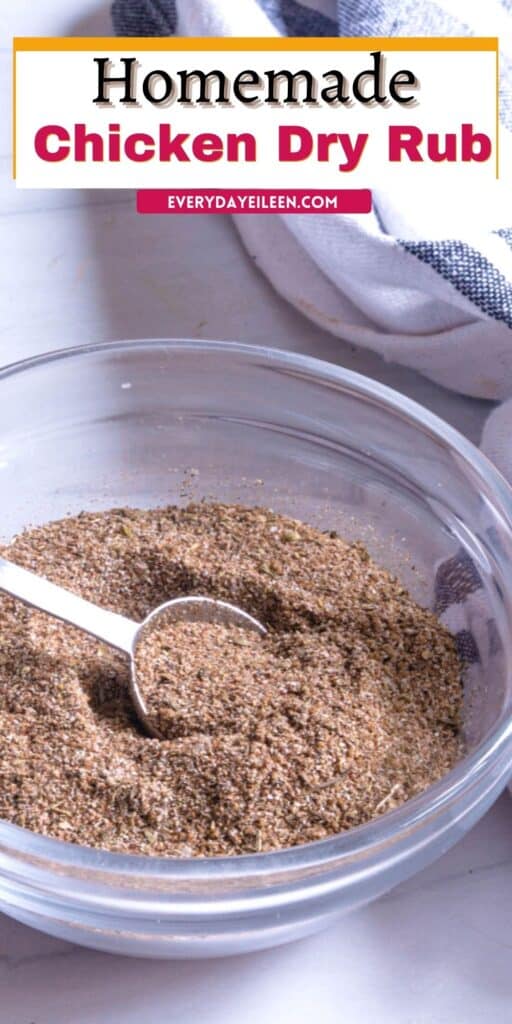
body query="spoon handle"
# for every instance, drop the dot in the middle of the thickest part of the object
(34, 590)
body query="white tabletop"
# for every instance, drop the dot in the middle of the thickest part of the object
(79, 267)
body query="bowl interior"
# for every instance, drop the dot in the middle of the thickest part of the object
(163, 423)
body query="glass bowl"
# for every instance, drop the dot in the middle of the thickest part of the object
(123, 424)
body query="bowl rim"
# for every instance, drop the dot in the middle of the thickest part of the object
(363, 841)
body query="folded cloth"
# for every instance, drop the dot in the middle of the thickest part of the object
(415, 281)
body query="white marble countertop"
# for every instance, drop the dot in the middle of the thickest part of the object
(79, 267)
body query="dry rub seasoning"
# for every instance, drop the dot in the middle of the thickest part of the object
(347, 707)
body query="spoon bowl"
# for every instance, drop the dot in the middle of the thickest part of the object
(117, 630)
(182, 609)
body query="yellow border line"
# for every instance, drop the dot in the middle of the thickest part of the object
(159, 43)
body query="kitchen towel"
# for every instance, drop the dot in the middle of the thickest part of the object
(424, 281)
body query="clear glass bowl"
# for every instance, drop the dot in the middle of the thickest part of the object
(119, 424)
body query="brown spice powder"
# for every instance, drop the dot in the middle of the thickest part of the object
(349, 706)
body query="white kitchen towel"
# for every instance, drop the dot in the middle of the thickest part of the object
(425, 281)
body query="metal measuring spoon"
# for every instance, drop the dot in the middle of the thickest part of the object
(114, 629)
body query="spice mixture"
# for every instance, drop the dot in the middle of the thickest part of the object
(347, 707)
